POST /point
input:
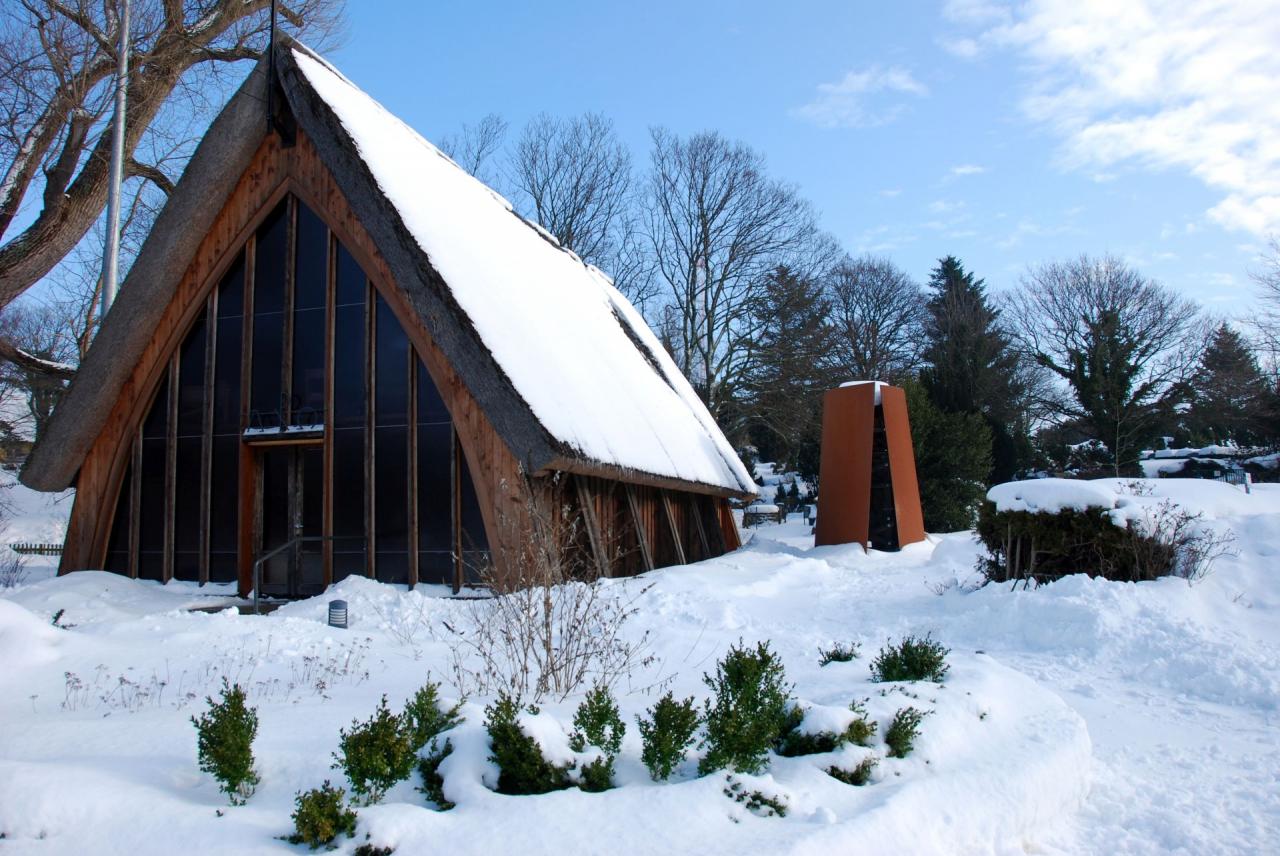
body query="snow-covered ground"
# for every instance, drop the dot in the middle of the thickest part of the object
(1082, 717)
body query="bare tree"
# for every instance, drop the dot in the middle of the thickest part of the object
(877, 313)
(1124, 344)
(49, 331)
(1268, 321)
(57, 65)
(475, 146)
(574, 177)
(716, 226)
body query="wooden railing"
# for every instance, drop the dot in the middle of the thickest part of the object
(37, 549)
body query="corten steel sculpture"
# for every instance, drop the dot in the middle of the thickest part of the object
(867, 486)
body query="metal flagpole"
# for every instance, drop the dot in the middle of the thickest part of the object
(111, 258)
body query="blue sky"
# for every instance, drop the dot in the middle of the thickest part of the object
(1007, 134)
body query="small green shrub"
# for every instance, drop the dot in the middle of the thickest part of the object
(756, 802)
(429, 769)
(859, 775)
(913, 659)
(376, 754)
(839, 653)
(597, 723)
(368, 849)
(425, 718)
(749, 710)
(667, 734)
(793, 742)
(901, 735)
(321, 816)
(224, 743)
(522, 767)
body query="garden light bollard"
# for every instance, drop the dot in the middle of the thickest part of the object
(338, 613)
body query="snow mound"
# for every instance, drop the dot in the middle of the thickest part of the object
(25, 639)
(102, 597)
(1135, 499)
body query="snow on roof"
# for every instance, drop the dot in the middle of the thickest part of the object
(574, 348)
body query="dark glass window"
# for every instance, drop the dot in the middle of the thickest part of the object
(151, 517)
(348, 502)
(186, 518)
(391, 384)
(435, 487)
(349, 280)
(226, 361)
(224, 509)
(311, 256)
(391, 497)
(431, 409)
(191, 381)
(308, 366)
(118, 544)
(349, 367)
(268, 318)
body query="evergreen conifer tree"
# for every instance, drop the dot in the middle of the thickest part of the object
(969, 364)
(790, 370)
(1232, 403)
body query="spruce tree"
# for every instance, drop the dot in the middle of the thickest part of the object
(790, 371)
(953, 456)
(969, 364)
(1232, 401)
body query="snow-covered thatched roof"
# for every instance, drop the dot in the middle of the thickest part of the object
(564, 366)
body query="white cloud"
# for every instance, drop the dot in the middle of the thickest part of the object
(891, 192)
(962, 48)
(859, 98)
(968, 169)
(1158, 84)
(944, 206)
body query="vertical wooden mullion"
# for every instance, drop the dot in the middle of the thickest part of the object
(331, 314)
(642, 534)
(412, 479)
(694, 510)
(370, 448)
(286, 348)
(206, 433)
(171, 467)
(587, 503)
(247, 536)
(455, 508)
(665, 500)
(135, 504)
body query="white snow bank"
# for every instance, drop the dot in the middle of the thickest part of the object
(102, 597)
(25, 639)
(1135, 499)
(558, 328)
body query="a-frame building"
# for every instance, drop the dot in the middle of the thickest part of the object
(335, 334)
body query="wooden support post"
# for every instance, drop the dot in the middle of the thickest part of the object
(695, 510)
(594, 535)
(642, 536)
(681, 559)
(170, 469)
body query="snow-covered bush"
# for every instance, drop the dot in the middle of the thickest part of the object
(224, 743)
(321, 816)
(667, 734)
(749, 709)
(429, 769)
(795, 741)
(424, 717)
(859, 775)
(902, 732)
(376, 754)
(522, 767)
(755, 801)
(912, 659)
(597, 723)
(838, 653)
(1162, 539)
